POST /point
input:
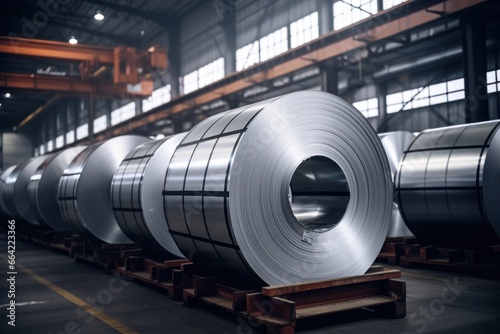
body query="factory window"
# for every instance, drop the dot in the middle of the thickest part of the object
(392, 3)
(60, 141)
(247, 56)
(211, 72)
(123, 113)
(304, 30)
(369, 108)
(160, 96)
(36, 152)
(100, 123)
(82, 131)
(70, 136)
(493, 81)
(442, 92)
(50, 146)
(190, 82)
(274, 44)
(42, 149)
(347, 12)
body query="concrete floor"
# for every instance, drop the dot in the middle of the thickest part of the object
(437, 302)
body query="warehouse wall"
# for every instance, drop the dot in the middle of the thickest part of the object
(14, 148)
(202, 40)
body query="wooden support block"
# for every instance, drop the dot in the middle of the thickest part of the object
(134, 264)
(203, 286)
(163, 274)
(450, 255)
(477, 257)
(396, 290)
(131, 252)
(176, 263)
(427, 252)
(375, 269)
(279, 290)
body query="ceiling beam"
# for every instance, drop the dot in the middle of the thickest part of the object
(72, 85)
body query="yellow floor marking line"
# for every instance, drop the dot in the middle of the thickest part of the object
(77, 301)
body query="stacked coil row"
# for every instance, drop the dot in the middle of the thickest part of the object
(448, 185)
(290, 189)
(274, 191)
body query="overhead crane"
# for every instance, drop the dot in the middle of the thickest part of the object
(94, 61)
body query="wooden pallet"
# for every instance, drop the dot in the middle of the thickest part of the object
(62, 243)
(89, 249)
(166, 275)
(393, 249)
(484, 261)
(278, 308)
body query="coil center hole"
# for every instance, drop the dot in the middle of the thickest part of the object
(319, 193)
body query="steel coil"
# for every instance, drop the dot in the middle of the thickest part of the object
(395, 143)
(3, 178)
(43, 188)
(136, 195)
(85, 188)
(16, 189)
(291, 189)
(448, 185)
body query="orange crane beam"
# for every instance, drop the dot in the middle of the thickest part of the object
(56, 50)
(74, 85)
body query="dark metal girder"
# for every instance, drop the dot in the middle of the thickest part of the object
(101, 34)
(160, 19)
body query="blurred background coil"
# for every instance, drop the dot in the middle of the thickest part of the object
(291, 189)
(3, 178)
(136, 195)
(43, 188)
(395, 144)
(85, 188)
(448, 185)
(16, 189)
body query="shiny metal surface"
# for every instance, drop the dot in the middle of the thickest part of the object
(395, 144)
(85, 188)
(448, 185)
(136, 195)
(16, 189)
(43, 187)
(4, 210)
(291, 189)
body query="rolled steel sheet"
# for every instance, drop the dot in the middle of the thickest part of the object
(448, 185)
(85, 188)
(3, 177)
(16, 189)
(136, 195)
(395, 144)
(291, 189)
(43, 188)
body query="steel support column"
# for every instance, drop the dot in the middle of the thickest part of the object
(325, 16)
(228, 25)
(474, 51)
(329, 76)
(174, 58)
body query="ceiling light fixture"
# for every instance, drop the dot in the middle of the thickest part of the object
(73, 40)
(7, 95)
(98, 16)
